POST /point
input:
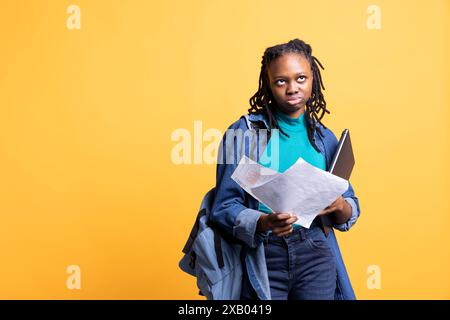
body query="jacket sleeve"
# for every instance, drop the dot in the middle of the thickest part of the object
(228, 210)
(353, 201)
(348, 196)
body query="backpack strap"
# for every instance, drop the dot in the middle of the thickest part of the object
(256, 125)
(194, 231)
(218, 248)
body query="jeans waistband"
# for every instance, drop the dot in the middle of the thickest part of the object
(298, 234)
(316, 223)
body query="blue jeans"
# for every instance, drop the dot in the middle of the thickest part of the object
(300, 266)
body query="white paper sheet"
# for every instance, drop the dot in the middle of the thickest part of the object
(302, 189)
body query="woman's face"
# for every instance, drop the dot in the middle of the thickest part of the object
(290, 79)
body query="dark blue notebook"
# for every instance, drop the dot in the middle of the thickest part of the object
(343, 160)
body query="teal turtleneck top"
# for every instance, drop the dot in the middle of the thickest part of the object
(290, 149)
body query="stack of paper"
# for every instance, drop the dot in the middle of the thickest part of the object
(302, 189)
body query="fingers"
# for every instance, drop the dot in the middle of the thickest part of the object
(327, 210)
(281, 216)
(280, 232)
(284, 224)
(282, 219)
(282, 229)
(281, 223)
(292, 220)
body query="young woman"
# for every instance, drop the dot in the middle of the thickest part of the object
(282, 260)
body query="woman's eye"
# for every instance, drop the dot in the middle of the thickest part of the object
(303, 78)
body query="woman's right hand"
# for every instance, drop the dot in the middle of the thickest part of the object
(279, 223)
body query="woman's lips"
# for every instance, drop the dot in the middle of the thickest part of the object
(293, 102)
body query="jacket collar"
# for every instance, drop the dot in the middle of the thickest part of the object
(258, 117)
(253, 117)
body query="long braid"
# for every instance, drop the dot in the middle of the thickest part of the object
(263, 102)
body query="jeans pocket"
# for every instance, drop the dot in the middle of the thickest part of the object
(319, 245)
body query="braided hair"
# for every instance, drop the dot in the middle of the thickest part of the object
(263, 101)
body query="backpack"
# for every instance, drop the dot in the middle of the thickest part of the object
(213, 256)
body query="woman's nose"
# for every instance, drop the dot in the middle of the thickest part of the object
(292, 88)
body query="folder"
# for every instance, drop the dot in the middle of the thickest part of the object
(343, 159)
(341, 165)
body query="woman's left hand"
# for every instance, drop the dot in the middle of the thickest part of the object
(340, 209)
(337, 205)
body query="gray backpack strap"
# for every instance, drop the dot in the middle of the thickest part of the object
(259, 139)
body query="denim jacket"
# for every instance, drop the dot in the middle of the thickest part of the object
(235, 211)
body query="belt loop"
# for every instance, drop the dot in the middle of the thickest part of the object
(302, 234)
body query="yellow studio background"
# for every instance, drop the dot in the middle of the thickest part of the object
(86, 117)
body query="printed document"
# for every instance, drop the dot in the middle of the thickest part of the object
(303, 189)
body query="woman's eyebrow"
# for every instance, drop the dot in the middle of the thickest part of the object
(297, 74)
